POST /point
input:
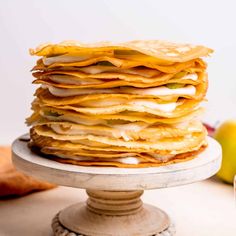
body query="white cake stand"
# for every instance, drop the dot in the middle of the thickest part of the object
(114, 207)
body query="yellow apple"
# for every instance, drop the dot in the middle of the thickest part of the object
(226, 136)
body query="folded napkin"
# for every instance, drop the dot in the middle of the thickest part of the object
(14, 183)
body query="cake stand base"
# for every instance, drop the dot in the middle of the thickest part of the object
(112, 213)
(114, 207)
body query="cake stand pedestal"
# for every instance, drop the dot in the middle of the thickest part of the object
(114, 207)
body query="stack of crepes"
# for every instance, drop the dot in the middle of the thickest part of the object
(133, 104)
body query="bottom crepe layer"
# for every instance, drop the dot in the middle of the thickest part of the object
(122, 162)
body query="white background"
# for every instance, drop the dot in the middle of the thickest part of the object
(25, 24)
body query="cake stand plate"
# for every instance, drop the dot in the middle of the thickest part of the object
(114, 207)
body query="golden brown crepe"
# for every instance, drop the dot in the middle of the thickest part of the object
(157, 49)
(133, 104)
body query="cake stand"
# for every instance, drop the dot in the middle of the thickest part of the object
(114, 207)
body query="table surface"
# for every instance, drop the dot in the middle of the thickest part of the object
(200, 209)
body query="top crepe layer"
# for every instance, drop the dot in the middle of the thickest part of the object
(161, 50)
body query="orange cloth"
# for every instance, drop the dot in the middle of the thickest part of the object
(14, 183)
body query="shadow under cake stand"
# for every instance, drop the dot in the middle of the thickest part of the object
(114, 207)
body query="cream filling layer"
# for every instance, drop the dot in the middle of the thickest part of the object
(68, 79)
(97, 68)
(188, 90)
(122, 160)
(138, 104)
(165, 107)
(163, 158)
(194, 126)
(93, 70)
(190, 76)
(63, 58)
(118, 131)
(101, 69)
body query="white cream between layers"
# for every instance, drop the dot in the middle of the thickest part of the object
(117, 132)
(192, 76)
(92, 69)
(63, 58)
(123, 160)
(165, 107)
(163, 158)
(188, 90)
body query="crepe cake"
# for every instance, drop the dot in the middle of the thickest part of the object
(133, 104)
